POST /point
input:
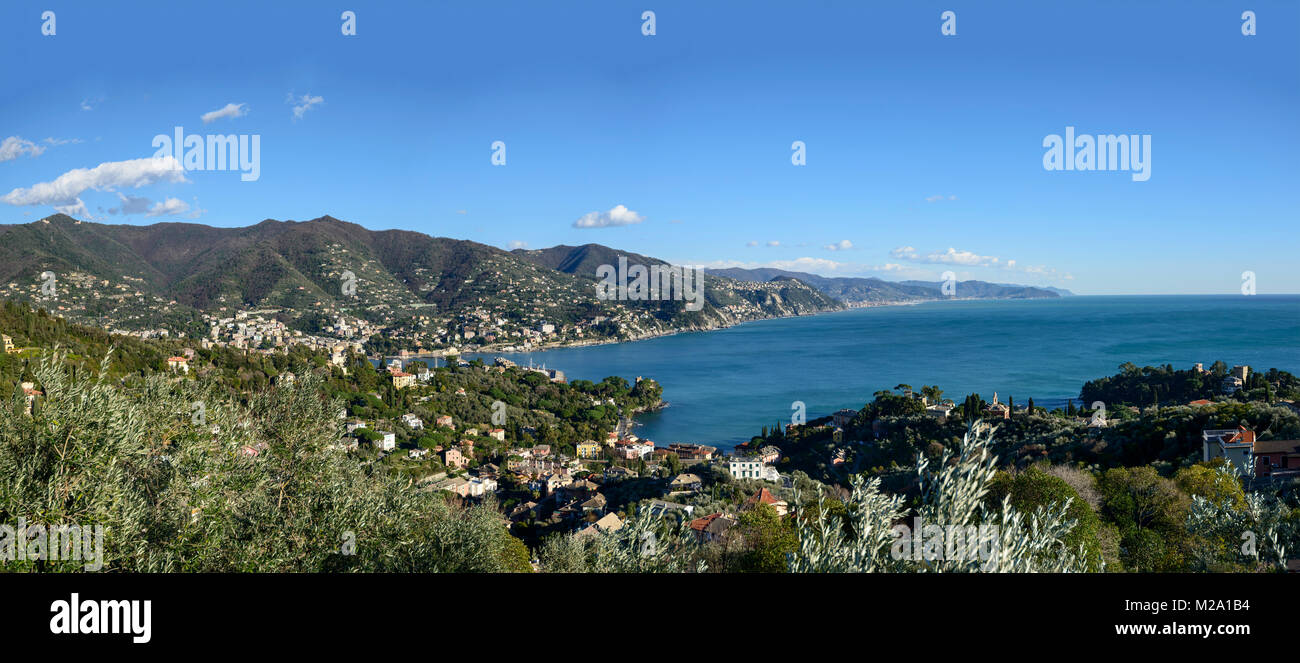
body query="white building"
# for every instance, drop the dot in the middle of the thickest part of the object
(940, 411)
(745, 467)
(387, 441)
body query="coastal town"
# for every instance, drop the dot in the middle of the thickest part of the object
(581, 489)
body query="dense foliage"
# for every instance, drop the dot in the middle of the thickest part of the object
(253, 487)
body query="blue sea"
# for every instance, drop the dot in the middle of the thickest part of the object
(724, 386)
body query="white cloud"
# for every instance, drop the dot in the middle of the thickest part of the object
(935, 199)
(774, 243)
(516, 244)
(75, 208)
(64, 192)
(618, 216)
(751, 243)
(303, 103)
(61, 141)
(169, 207)
(953, 256)
(950, 257)
(15, 146)
(229, 110)
(842, 245)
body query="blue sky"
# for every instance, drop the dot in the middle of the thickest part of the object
(924, 151)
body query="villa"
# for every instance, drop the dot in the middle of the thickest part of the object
(745, 467)
(401, 380)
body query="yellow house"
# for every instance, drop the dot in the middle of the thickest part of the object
(588, 449)
(9, 344)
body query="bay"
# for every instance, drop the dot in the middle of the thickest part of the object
(723, 386)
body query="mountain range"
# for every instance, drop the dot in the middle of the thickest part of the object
(174, 274)
(857, 291)
(186, 269)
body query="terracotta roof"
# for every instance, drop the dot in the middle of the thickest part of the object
(1243, 435)
(700, 524)
(763, 497)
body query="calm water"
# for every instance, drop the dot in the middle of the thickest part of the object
(724, 386)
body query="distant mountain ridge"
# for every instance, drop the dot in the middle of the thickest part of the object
(864, 291)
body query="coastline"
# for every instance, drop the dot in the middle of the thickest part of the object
(496, 349)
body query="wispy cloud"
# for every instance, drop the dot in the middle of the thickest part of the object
(955, 257)
(64, 192)
(935, 199)
(517, 244)
(617, 216)
(230, 110)
(301, 104)
(169, 207)
(842, 245)
(15, 146)
(950, 257)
